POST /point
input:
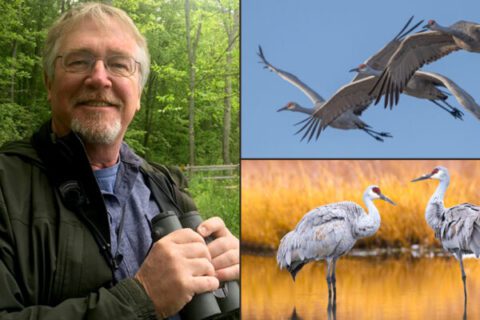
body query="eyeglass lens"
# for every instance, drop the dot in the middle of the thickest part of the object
(82, 62)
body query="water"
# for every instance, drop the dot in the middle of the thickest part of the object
(369, 288)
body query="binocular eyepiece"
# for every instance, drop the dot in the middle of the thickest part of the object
(209, 305)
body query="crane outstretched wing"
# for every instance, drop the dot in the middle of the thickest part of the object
(461, 95)
(312, 95)
(379, 60)
(415, 51)
(353, 96)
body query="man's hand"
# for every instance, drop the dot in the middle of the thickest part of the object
(177, 267)
(224, 250)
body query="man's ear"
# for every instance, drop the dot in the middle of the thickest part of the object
(139, 100)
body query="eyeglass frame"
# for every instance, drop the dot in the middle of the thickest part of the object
(94, 62)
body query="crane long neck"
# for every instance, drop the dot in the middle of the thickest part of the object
(448, 30)
(373, 72)
(301, 109)
(369, 223)
(436, 207)
(438, 27)
(439, 193)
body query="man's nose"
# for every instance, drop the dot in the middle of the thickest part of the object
(99, 75)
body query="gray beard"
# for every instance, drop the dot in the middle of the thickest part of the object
(95, 130)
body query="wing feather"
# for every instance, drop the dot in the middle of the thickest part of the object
(287, 76)
(461, 95)
(414, 52)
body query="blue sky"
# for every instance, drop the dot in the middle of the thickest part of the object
(319, 41)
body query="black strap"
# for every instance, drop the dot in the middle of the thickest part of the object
(69, 171)
(163, 192)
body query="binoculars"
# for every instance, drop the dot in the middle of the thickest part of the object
(209, 305)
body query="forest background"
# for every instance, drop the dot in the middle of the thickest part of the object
(190, 104)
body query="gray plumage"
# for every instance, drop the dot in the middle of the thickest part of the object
(458, 227)
(354, 96)
(424, 85)
(348, 120)
(420, 49)
(328, 232)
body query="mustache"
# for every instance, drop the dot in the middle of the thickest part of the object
(108, 99)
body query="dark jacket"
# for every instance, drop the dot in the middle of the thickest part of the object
(51, 263)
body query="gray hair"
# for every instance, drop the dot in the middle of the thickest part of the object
(99, 13)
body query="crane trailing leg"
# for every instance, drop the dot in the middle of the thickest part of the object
(458, 255)
(456, 113)
(375, 134)
(332, 280)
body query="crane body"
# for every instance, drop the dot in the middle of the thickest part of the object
(329, 232)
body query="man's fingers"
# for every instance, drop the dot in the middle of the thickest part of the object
(184, 236)
(223, 244)
(227, 259)
(213, 227)
(201, 267)
(205, 284)
(195, 250)
(227, 274)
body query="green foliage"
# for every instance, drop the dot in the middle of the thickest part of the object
(218, 198)
(15, 122)
(160, 130)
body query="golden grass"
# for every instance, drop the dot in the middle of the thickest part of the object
(372, 288)
(276, 194)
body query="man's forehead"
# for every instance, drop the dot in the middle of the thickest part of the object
(84, 35)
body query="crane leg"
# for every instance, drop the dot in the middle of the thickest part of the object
(456, 113)
(375, 134)
(334, 281)
(329, 279)
(464, 279)
(332, 291)
(332, 311)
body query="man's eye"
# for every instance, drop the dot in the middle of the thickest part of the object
(78, 63)
(119, 66)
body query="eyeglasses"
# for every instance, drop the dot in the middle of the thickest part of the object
(84, 61)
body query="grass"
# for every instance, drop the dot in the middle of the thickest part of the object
(276, 195)
(217, 198)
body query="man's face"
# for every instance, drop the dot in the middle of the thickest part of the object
(96, 104)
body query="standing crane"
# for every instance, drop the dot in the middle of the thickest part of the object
(346, 121)
(458, 227)
(327, 233)
(422, 48)
(356, 94)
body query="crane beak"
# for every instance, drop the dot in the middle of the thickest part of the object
(424, 177)
(282, 109)
(425, 27)
(385, 198)
(354, 70)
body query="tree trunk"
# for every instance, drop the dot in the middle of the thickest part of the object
(14, 68)
(191, 49)
(227, 112)
(231, 25)
(151, 89)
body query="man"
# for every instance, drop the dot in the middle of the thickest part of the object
(76, 203)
